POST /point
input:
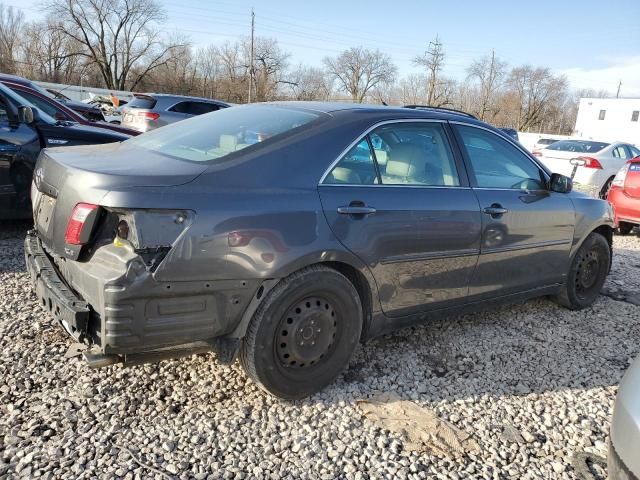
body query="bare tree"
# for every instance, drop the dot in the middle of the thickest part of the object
(11, 24)
(120, 37)
(309, 83)
(269, 64)
(52, 56)
(359, 70)
(488, 72)
(536, 92)
(413, 89)
(433, 61)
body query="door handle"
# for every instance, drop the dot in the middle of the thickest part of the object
(495, 210)
(356, 210)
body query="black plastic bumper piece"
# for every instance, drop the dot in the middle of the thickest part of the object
(52, 292)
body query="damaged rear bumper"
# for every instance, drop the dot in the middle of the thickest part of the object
(113, 304)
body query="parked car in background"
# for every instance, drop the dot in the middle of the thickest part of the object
(59, 110)
(624, 195)
(543, 143)
(513, 133)
(624, 461)
(283, 242)
(592, 164)
(89, 112)
(24, 131)
(147, 111)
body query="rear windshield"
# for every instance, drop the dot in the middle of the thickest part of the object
(580, 146)
(142, 101)
(547, 141)
(218, 134)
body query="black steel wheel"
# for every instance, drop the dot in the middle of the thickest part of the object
(587, 273)
(303, 334)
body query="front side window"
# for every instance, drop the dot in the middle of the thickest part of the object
(497, 163)
(355, 168)
(212, 137)
(621, 152)
(602, 114)
(43, 105)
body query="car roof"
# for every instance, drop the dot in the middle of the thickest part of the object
(179, 97)
(389, 110)
(5, 77)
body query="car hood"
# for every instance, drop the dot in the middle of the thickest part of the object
(79, 106)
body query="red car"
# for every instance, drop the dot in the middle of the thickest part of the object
(624, 196)
(58, 110)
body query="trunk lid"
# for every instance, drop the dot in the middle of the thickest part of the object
(66, 176)
(558, 161)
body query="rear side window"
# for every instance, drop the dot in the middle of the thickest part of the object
(142, 101)
(497, 163)
(194, 108)
(206, 138)
(355, 168)
(403, 154)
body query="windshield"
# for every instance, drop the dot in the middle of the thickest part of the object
(215, 135)
(580, 146)
(19, 100)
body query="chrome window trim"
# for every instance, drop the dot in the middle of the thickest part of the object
(363, 135)
(512, 142)
(394, 185)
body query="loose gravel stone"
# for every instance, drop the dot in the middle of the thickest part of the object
(533, 384)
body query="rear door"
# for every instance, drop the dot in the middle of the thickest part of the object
(400, 200)
(527, 230)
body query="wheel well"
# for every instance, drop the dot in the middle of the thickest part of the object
(361, 285)
(607, 232)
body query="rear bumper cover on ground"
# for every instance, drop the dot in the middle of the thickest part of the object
(119, 310)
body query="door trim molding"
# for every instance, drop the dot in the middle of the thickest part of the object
(512, 248)
(415, 257)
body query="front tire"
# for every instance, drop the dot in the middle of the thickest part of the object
(303, 334)
(587, 273)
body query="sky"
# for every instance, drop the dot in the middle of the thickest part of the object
(595, 44)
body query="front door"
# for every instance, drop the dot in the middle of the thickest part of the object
(526, 229)
(400, 200)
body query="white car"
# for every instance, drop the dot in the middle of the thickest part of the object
(544, 143)
(591, 164)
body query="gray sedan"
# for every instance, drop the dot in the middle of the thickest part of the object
(624, 461)
(283, 234)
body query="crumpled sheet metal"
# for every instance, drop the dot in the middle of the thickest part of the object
(421, 428)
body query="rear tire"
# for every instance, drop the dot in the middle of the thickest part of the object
(624, 228)
(303, 334)
(604, 193)
(587, 273)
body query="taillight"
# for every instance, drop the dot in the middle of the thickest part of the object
(153, 116)
(590, 162)
(618, 180)
(76, 233)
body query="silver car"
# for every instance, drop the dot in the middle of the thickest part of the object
(624, 461)
(148, 111)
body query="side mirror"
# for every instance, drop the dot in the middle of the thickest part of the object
(560, 183)
(27, 115)
(60, 116)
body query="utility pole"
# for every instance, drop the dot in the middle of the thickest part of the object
(253, 28)
(619, 85)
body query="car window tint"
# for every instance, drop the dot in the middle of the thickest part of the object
(199, 108)
(42, 105)
(414, 154)
(356, 167)
(497, 163)
(621, 152)
(4, 115)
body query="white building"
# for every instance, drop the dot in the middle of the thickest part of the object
(609, 119)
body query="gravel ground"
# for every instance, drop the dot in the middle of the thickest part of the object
(533, 384)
